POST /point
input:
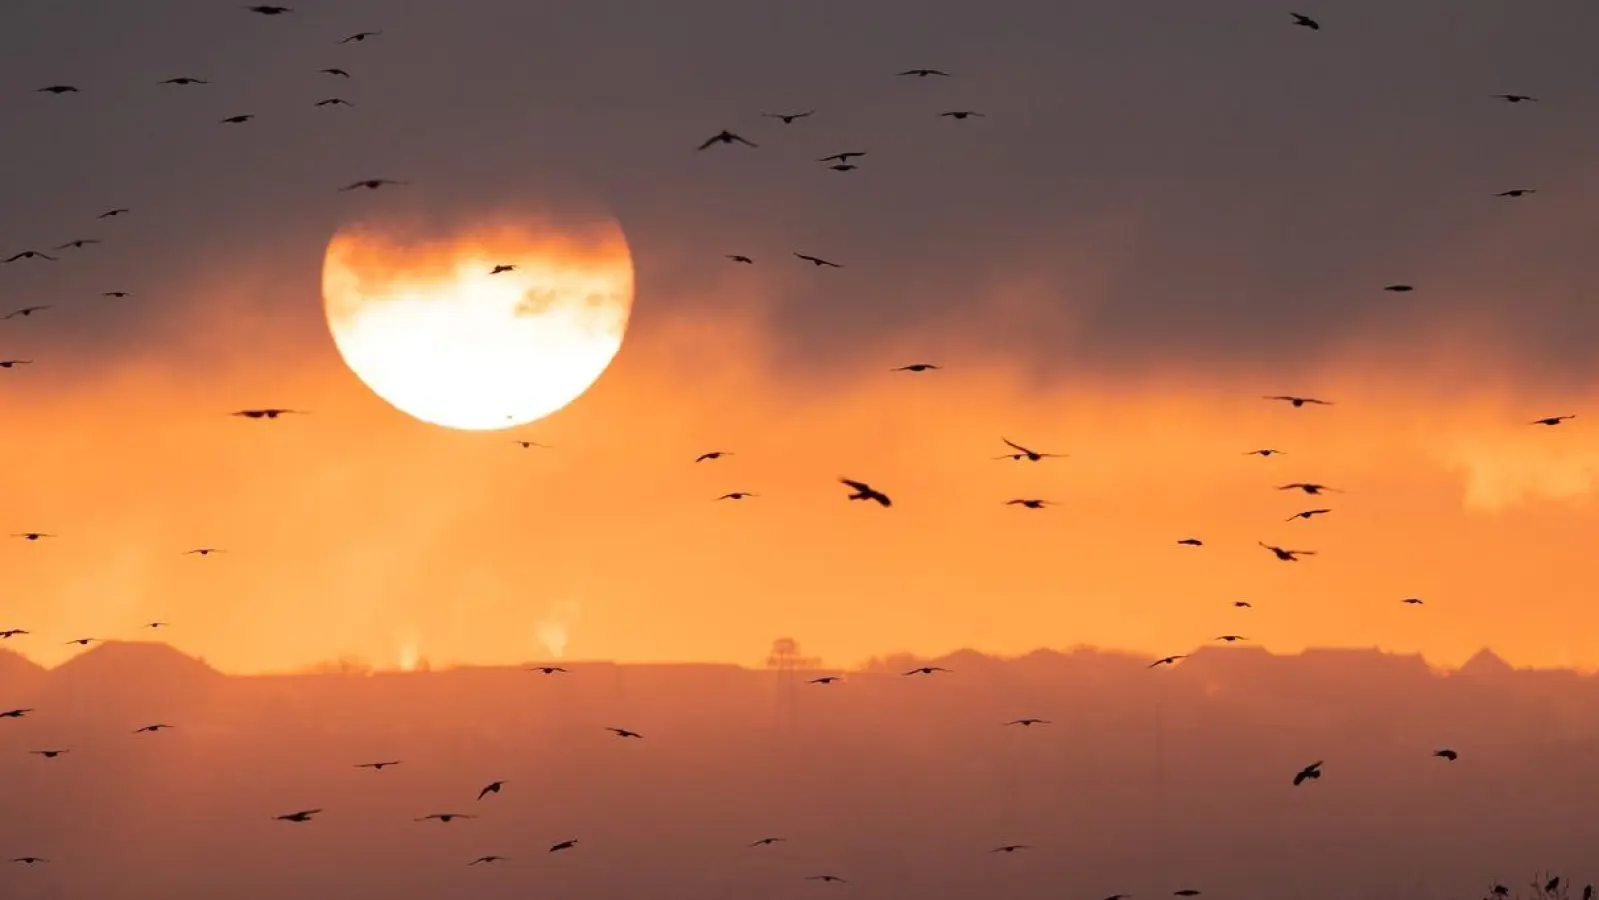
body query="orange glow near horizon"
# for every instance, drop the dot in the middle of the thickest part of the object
(353, 531)
(423, 322)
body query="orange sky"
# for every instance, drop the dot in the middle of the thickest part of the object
(359, 531)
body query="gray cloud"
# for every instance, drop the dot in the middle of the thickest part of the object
(1155, 184)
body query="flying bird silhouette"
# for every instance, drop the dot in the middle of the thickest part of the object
(502, 268)
(26, 311)
(33, 535)
(1024, 453)
(378, 766)
(788, 118)
(13, 363)
(1299, 401)
(360, 36)
(203, 551)
(624, 733)
(334, 101)
(737, 495)
(81, 642)
(834, 878)
(1243, 604)
(152, 729)
(491, 858)
(713, 454)
(1516, 98)
(548, 670)
(30, 254)
(1230, 638)
(1286, 555)
(563, 845)
(844, 157)
(117, 294)
(766, 841)
(1309, 487)
(1028, 722)
(370, 184)
(1009, 848)
(1192, 542)
(1308, 773)
(917, 367)
(184, 80)
(1399, 288)
(844, 167)
(826, 679)
(817, 261)
(303, 815)
(927, 670)
(269, 10)
(157, 625)
(445, 818)
(1306, 22)
(1167, 660)
(268, 413)
(864, 491)
(58, 89)
(1029, 503)
(528, 445)
(724, 137)
(740, 258)
(1446, 753)
(492, 787)
(113, 213)
(1517, 192)
(1552, 420)
(1412, 601)
(962, 114)
(29, 860)
(923, 73)
(15, 713)
(236, 120)
(49, 754)
(1308, 513)
(13, 632)
(339, 72)
(78, 244)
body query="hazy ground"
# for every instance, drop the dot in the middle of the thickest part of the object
(1147, 780)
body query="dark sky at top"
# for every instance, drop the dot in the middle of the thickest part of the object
(1157, 183)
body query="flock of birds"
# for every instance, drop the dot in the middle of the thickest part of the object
(858, 490)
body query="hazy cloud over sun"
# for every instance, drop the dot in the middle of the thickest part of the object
(1155, 186)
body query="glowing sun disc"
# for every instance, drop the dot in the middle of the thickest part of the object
(422, 322)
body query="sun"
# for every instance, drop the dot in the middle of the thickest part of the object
(419, 318)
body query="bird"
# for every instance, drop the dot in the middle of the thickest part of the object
(486, 859)
(492, 787)
(1308, 513)
(203, 551)
(1230, 638)
(49, 754)
(32, 535)
(113, 213)
(13, 363)
(1552, 420)
(268, 413)
(767, 841)
(15, 713)
(378, 766)
(26, 311)
(824, 878)
(269, 10)
(58, 89)
(82, 642)
(370, 184)
(1286, 555)
(1185, 892)
(30, 254)
(152, 729)
(1300, 401)
(740, 258)
(528, 445)
(1446, 753)
(1167, 660)
(1192, 542)
(713, 454)
(923, 73)
(844, 157)
(1306, 21)
(844, 167)
(1516, 98)
(156, 625)
(961, 114)
(563, 845)
(1309, 487)
(334, 101)
(864, 491)
(1024, 453)
(185, 80)
(818, 261)
(1029, 503)
(1243, 604)
(1028, 722)
(1399, 288)
(117, 294)
(548, 670)
(826, 679)
(78, 244)
(737, 495)
(303, 815)
(1412, 601)
(502, 268)
(360, 36)
(788, 118)
(624, 733)
(725, 137)
(29, 860)
(445, 818)
(13, 632)
(335, 71)
(236, 120)
(1517, 192)
(1308, 773)
(1009, 848)
(917, 367)
(927, 670)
